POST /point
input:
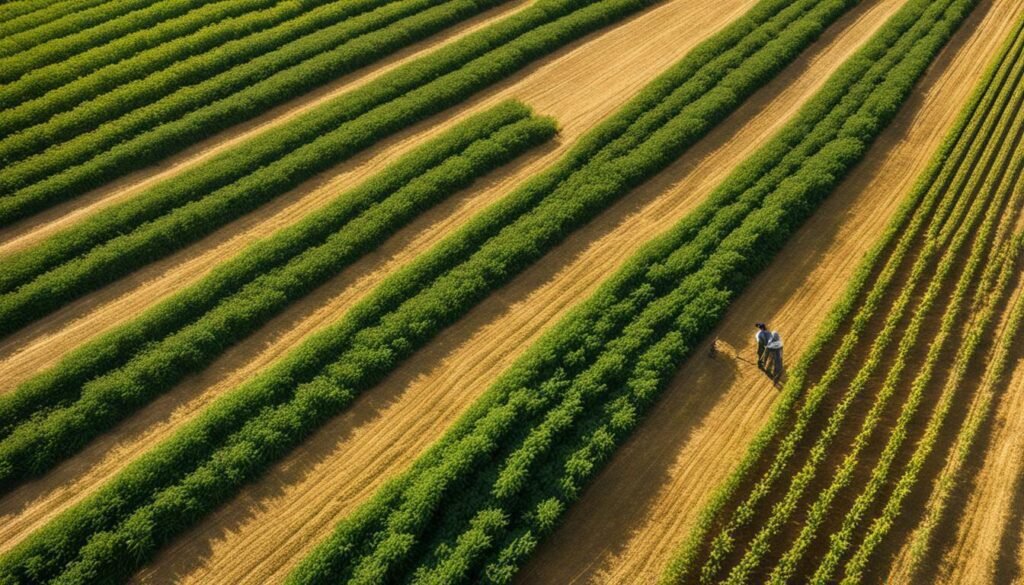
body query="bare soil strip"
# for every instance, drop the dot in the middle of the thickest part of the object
(31, 230)
(631, 520)
(562, 86)
(990, 523)
(263, 532)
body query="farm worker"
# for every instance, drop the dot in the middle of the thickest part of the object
(762, 338)
(774, 351)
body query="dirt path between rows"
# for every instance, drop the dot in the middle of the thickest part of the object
(561, 85)
(261, 534)
(32, 229)
(636, 513)
(43, 342)
(990, 525)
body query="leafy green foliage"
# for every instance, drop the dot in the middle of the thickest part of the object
(31, 49)
(77, 150)
(954, 169)
(210, 458)
(526, 450)
(22, 15)
(90, 73)
(49, 417)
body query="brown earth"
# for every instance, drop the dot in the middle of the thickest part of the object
(647, 488)
(43, 342)
(561, 85)
(263, 532)
(990, 526)
(636, 513)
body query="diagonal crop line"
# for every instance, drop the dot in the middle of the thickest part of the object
(933, 182)
(938, 500)
(784, 571)
(387, 543)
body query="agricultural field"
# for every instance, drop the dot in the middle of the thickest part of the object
(463, 291)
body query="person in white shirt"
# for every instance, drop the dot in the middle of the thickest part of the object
(774, 351)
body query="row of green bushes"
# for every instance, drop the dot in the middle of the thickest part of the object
(523, 455)
(713, 535)
(323, 44)
(170, 215)
(65, 37)
(21, 15)
(51, 416)
(31, 23)
(101, 68)
(210, 458)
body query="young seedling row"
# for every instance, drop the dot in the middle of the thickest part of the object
(971, 180)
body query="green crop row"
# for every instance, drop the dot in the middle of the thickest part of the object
(35, 48)
(22, 15)
(843, 474)
(919, 541)
(133, 56)
(997, 210)
(523, 453)
(58, 19)
(910, 337)
(227, 59)
(947, 165)
(210, 458)
(338, 39)
(54, 414)
(855, 567)
(121, 238)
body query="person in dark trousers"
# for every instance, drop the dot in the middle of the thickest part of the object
(762, 337)
(774, 351)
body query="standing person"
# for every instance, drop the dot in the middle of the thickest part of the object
(762, 338)
(774, 351)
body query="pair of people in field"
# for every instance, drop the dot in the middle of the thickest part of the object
(769, 351)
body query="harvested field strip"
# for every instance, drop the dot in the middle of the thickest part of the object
(306, 39)
(52, 415)
(22, 52)
(167, 217)
(40, 94)
(988, 130)
(76, 150)
(524, 451)
(409, 307)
